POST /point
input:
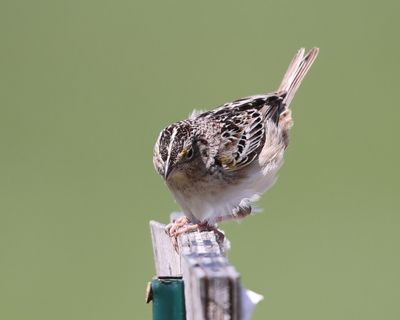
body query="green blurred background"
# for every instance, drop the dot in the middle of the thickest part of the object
(85, 87)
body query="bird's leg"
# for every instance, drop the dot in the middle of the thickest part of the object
(190, 227)
(244, 212)
(183, 225)
(203, 226)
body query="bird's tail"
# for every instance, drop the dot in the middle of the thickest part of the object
(295, 74)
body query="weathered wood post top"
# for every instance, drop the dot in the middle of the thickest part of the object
(212, 286)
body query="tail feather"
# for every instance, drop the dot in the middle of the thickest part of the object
(290, 72)
(295, 74)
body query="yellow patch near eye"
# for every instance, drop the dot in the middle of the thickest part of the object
(182, 154)
(226, 161)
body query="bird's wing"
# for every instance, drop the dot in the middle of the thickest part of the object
(243, 126)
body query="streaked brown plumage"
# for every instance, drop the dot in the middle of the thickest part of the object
(217, 163)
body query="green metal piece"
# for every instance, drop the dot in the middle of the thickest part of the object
(168, 299)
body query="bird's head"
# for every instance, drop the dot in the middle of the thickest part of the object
(175, 149)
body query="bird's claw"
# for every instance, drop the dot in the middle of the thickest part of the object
(182, 225)
(173, 228)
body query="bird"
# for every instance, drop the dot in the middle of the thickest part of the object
(218, 163)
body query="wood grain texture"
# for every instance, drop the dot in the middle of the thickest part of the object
(166, 259)
(212, 285)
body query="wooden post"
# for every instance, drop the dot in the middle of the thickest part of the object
(212, 286)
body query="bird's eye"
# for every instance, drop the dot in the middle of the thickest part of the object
(189, 154)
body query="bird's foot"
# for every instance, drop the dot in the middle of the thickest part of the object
(172, 228)
(182, 225)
